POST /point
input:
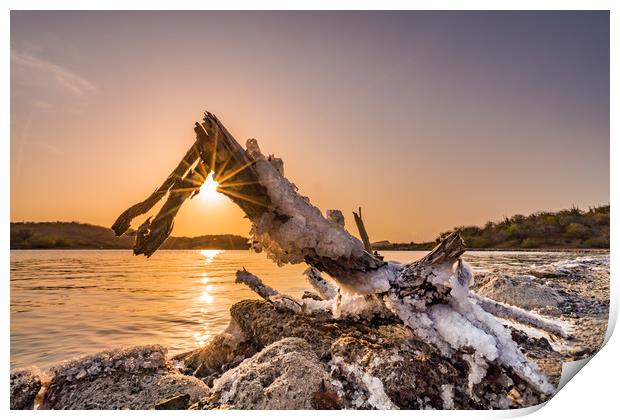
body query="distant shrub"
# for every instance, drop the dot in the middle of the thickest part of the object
(470, 230)
(597, 243)
(600, 218)
(499, 236)
(528, 243)
(599, 210)
(43, 243)
(577, 230)
(23, 234)
(477, 242)
(513, 230)
(549, 220)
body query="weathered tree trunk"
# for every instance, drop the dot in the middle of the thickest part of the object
(216, 151)
(430, 295)
(220, 153)
(124, 220)
(237, 171)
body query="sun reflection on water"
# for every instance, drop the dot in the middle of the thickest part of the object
(210, 254)
(206, 296)
(202, 338)
(205, 299)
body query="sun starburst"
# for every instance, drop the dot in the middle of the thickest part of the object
(208, 190)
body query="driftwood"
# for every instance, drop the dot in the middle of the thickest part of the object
(430, 295)
(362, 230)
(236, 172)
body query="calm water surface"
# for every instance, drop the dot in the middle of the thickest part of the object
(67, 303)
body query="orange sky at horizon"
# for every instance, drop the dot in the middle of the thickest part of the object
(427, 120)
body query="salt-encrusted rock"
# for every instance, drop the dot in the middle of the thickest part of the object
(582, 285)
(25, 385)
(224, 351)
(131, 378)
(575, 268)
(539, 350)
(523, 291)
(375, 364)
(398, 370)
(284, 375)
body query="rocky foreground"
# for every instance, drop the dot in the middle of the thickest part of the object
(270, 359)
(573, 292)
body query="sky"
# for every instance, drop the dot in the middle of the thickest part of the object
(427, 120)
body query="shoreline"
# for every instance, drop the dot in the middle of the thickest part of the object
(269, 359)
(378, 249)
(276, 359)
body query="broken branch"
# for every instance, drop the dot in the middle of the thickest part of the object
(362, 230)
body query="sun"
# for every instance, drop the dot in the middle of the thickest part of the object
(208, 191)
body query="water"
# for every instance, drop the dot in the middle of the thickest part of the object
(68, 303)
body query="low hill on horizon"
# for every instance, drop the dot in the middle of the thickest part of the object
(565, 229)
(74, 235)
